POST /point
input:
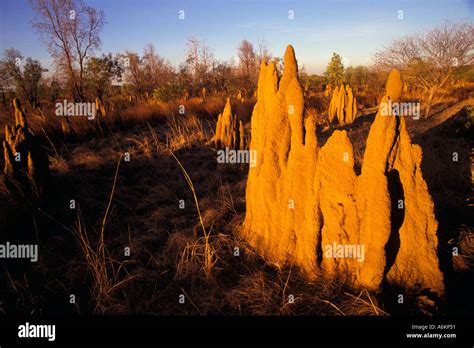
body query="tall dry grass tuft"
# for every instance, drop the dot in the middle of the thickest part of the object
(97, 263)
(143, 142)
(105, 271)
(197, 255)
(183, 131)
(200, 251)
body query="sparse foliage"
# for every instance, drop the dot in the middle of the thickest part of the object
(199, 59)
(248, 68)
(71, 31)
(25, 76)
(99, 74)
(430, 58)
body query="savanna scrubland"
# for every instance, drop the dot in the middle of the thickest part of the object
(133, 213)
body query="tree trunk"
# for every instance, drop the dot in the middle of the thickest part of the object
(4, 100)
(429, 101)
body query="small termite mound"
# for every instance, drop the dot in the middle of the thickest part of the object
(24, 157)
(99, 108)
(343, 106)
(230, 131)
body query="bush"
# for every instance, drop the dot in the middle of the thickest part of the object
(168, 92)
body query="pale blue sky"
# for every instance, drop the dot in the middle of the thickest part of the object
(354, 29)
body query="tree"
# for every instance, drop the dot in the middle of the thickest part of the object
(357, 76)
(200, 59)
(32, 73)
(335, 70)
(157, 71)
(430, 58)
(99, 73)
(247, 65)
(223, 76)
(71, 31)
(150, 72)
(4, 85)
(134, 73)
(262, 52)
(52, 88)
(25, 76)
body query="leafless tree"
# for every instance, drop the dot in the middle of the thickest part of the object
(134, 73)
(262, 51)
(157, 70)
(145, 74)
(5, 82)
(200, 60)
(430, 58)
(71, 31)
(248, 65)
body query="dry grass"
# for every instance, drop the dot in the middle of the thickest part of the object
(107, 273)
(184, 131)
(464, 261)
(200, 251)
(285, 293)
(174, 252)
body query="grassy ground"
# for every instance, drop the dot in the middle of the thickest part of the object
(190, 252)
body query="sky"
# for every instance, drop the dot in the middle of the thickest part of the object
(356, 29)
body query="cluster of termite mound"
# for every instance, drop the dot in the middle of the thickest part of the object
(306, 206)
(24, 158)
(343, 106)
(230, 131)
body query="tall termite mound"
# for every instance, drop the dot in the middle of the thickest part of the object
(282, 220)
(343, 106)
(398, 225)
(229, 130)
(393, 183)
(302, 199)
(23, 155)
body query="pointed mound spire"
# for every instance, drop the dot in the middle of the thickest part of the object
(291, 66)
(394, 86)
(303, 201)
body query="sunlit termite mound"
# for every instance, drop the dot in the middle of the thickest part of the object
(25, 160)
(307, 207)
(229, 130)
(343, 106)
